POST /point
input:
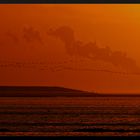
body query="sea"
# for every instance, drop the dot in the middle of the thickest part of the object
(69, 116)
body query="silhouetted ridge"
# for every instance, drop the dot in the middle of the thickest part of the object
(46, 91)
(41, 91)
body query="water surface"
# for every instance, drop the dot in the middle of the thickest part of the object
(70, 116)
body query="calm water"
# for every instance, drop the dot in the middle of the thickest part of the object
(77, 116)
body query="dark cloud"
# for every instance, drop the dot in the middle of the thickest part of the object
(66, 34)
(74, 48)
(27, 33)
(92, 50)
(31, 34)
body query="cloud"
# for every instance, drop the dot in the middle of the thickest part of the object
(91, 50)
(31, 34)
(27, 34)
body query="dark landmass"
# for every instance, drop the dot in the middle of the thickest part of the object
(42, 91)
(46, 91)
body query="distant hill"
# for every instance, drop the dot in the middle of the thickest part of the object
(46, 91)
(42, 91)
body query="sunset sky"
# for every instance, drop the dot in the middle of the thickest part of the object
(35, 46)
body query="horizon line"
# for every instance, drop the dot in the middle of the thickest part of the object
(62, 87)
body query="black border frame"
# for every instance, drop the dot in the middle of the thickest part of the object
(69, 1)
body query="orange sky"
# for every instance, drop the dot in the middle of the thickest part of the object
(113, 25)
